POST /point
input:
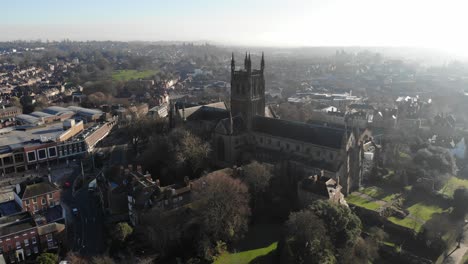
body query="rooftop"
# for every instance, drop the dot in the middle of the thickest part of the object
(24, 135)
(36, 187)
(314, 134)
(16, 223)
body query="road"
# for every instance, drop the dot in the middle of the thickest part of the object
(85, 231)
(89, 224)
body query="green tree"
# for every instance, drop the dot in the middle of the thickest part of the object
(222, 210)
(306, 240)
(193, 152)
(343, 226)
(257, 177)
(47, 258)
(27, 103)
(122, 231)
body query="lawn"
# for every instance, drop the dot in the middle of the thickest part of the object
(125, 75)
(421, 211)
(452, 184)
(258, 246)
(245, 257)
(362, 202)
(378, 193)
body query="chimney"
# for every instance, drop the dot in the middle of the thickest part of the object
(18, 188)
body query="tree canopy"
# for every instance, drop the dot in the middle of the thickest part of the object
(47, 258)
(122, 231)
(323, 233)
(222, 208)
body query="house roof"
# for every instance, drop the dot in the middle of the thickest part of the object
(50, 228)
(310, 133)
(36, 188)
(16, 223)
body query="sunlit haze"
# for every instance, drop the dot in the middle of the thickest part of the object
(419, 23)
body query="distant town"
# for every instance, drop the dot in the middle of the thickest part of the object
(150, 152)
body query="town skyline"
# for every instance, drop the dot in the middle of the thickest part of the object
(297, 23)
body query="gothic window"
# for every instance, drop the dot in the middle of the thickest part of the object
(221, 155)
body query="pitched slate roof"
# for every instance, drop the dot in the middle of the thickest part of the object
(214, 111)
(36, 188)
(310, 133)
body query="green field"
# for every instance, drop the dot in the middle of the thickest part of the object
(126, 75)
(422, 212)
(258, 246)
(379, 194)
(362, 202)
(246, 257)
(452, 184)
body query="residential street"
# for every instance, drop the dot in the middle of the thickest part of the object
(85, 231)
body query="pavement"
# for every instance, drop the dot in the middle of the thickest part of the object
(456, 255)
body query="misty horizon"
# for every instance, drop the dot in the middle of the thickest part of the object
(259, 23)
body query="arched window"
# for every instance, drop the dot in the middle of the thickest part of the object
(221, 150)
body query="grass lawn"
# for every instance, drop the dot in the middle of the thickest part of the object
(245, 257)
(452, 184)
(362, 202)
(377, 193)
(255, 247)
(421, 211)
(125, 75)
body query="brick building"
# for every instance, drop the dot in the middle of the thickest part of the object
(37, 195)
(22, 238)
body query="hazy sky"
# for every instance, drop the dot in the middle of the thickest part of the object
(425, 23)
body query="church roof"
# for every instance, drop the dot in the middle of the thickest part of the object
(310, 133)
(214, 111)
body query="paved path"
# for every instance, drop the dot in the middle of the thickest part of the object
(456, 257)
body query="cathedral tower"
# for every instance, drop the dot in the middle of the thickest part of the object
(247, 90)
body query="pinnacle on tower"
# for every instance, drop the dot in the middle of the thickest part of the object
(233, 65)
(262, 63)
(246, 61)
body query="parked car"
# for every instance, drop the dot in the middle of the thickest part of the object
(75, 211)
(67, 184)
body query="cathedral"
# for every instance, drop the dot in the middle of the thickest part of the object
(248, 133)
